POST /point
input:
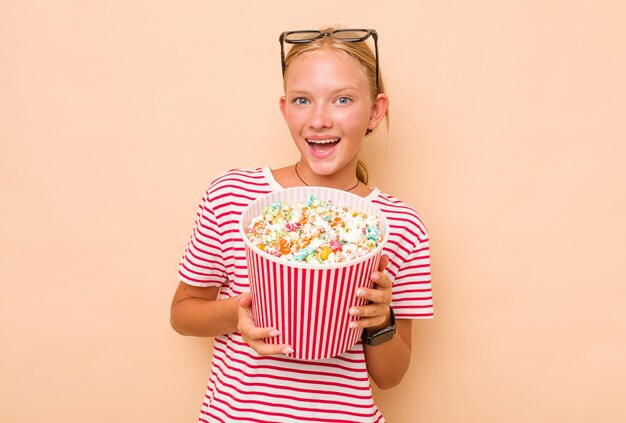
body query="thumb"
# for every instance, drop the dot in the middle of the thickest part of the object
(244, 300)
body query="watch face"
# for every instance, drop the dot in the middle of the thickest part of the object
(380, 336)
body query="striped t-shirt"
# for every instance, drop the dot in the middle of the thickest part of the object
(246, 387)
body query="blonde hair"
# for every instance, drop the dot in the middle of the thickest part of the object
(364, 55)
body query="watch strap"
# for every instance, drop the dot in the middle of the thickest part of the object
(378, 336)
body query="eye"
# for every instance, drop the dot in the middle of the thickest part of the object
(344, 100)
(300, 101)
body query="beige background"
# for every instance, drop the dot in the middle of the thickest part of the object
(507, 135)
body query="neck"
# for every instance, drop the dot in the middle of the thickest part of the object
(346, 187)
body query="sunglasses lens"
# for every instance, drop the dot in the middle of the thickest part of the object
(350, 35)
(301, 36)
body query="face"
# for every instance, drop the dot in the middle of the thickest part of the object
(328, 107)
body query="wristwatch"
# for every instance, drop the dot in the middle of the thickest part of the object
(381, 335)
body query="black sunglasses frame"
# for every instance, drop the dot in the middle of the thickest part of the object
(284, 38)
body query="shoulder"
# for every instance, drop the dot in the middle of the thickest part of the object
(401, 216)
(233, 189)
(238, 180)
(239, 176)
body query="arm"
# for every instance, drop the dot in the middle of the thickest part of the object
(196, 311)
(388, 362)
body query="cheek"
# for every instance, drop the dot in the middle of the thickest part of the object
(353, 120)
(294, 119)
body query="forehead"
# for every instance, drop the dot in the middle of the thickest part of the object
(326, 64)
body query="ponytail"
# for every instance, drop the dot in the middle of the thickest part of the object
(361, 172)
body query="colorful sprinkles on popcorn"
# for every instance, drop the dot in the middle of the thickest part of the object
(314, 232)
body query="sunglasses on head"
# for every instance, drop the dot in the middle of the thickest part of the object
(345, 35)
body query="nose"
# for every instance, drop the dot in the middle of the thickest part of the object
(320, 117)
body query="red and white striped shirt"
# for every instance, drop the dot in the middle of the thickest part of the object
(246, 387)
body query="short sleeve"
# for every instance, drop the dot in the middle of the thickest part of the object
(203, 262)
(412, 290)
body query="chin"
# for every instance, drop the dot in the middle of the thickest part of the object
(323, 169)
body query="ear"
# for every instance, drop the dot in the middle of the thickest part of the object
(282, 103)
(379, 108)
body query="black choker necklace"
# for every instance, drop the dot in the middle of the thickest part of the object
(302, 180)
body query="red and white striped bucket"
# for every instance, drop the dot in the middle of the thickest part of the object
(309, 303)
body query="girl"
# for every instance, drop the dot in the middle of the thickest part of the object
(334, 96)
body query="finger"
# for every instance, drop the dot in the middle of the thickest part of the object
(261, 333)
(375, 295)
(371, 310)
(270, 349)
(381, 280)
(249, 329)
(368, 322)
(384, 261)
(252, 332)
(255, 338)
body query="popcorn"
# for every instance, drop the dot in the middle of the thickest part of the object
(314, 232)
(308, 245)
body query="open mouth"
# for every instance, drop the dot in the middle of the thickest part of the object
(323, 145)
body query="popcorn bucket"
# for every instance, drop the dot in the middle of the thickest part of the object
(309, 303)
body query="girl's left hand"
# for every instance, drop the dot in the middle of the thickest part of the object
(376, 314)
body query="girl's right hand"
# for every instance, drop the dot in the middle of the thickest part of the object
(254, 335)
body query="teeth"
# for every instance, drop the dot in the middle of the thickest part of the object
(328, 141)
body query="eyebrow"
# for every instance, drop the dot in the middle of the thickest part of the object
(335, 91)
